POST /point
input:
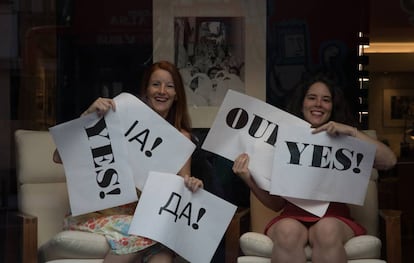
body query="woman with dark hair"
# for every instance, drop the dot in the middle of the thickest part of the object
(340, 108)
(319, 101)
(162, 90)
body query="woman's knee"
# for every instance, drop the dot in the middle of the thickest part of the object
(288, 232)
(329, 231)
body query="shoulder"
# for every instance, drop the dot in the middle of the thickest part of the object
(186, 133)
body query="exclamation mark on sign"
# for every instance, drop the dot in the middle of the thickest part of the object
(116, 191)
(157, 142)
(200, 215)
(359, 159)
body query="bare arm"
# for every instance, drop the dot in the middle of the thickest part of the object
(240, 167)
(385, 158)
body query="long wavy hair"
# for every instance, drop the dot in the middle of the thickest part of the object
(178, 115)
(340, 108)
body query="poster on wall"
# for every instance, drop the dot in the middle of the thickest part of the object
(235, 30)
(209, 51)
(398, 107)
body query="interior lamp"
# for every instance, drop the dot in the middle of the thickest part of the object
(410, 132)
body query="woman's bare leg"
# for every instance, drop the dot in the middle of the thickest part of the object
(289, 239)
(327, 238)
(164, 256)
(127, 258)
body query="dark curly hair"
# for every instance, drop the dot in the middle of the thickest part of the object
(340, 108)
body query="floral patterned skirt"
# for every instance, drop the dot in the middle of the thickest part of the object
(113, 223)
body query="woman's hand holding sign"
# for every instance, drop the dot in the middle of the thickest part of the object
(384, 157)
(240, 167)
(100, 106)
(335, 129)
(192, 183)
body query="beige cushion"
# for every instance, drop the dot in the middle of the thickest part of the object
(76, 261)
(34, 153)
(74, 244)
(42, 192)
(256, 244)
(253, 259)
(36, 200)
(367, 215)
(365, 246)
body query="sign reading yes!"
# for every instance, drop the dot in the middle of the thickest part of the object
(321, 167)
(95, 157)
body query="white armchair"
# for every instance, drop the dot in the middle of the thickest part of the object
(257, 247)
(43, 203)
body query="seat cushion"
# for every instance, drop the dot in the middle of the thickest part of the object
(256, 244)
(49, 203)
(360, 247)
(365, 246)
(74, 244)
(76, 261)
(253, 259)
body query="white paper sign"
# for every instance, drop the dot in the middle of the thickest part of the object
(191, 224)
(153, 143)
(315, 207)
(248, 125)
(94, 154)
(321, 167)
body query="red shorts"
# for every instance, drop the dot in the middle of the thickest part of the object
(337, 210)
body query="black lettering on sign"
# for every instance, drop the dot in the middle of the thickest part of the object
(324, 157)
(141, 138)
(238, 118)
(103, 159)
(173, 206)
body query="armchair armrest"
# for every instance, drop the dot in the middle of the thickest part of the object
(26, 227)
(238, 225)
(392, 220)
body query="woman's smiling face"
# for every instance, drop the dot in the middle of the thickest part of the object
(317, 104)
(161, 92)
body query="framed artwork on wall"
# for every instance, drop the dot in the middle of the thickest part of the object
(209, 52)
(398, 105)
(239, 24)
